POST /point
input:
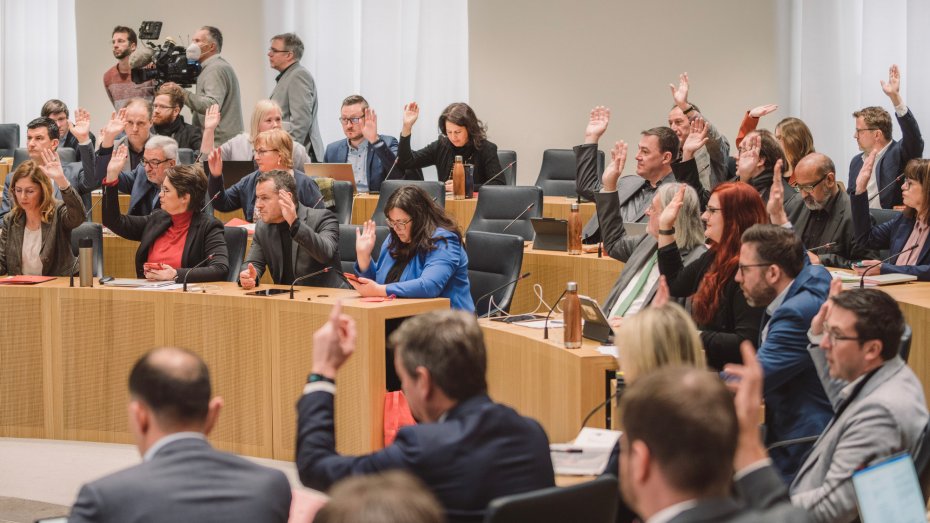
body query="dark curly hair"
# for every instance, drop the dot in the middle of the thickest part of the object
(462, 114)
(426, 216)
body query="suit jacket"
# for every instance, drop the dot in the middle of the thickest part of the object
(314, 245)
(381, 156)
(242, 194)
(205, 236)
(762, 183)
(80, 175)
(144, 196)
(70, 142)
(295, 92)
(891, 235)
(217, 84)
(442, 153)
(887, 416)
(481, 451)
(838, 229)
(55, 253)
(587, 184)
(893, 161)
(186, 480)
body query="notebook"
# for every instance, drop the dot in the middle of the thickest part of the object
(889, 491)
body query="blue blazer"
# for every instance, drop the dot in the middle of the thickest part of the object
(143, 194)
(893, 161)
(381, 156)
(795, 402)
(440, 273)
(242, 194)
(481, 451)
(891, 235)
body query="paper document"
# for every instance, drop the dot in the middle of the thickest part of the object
(587, 455)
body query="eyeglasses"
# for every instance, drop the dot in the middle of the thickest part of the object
(26, 192)
(866, 129)
(153, 163)
(908, 183)
(161, 107)
(742, 268)
(711, 210)
(164, 189)
(399, 224)
(834, 336)
(809, 188)
(354, 119)
(275, 51)
(262, 152)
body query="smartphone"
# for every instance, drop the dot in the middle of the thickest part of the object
(268, 292)
(350, 276)
(152, 266)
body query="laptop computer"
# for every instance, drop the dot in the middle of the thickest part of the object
(336, 171)
(233, 171)
(551, 234)
(890, 491)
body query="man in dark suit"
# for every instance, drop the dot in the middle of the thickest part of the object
(467, 449)
(58, 112)
(295, 91)
(825, 216)
(372, 155)
(873, 133)
(667, 477)
(182, 478)
(290, 239)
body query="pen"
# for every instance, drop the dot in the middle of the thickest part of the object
(567, 451)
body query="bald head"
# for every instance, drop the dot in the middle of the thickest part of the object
(815, 175)
(174, 384)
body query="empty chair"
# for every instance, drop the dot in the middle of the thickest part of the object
(236, 240)
(557, 172)
(506, 157)
(347, 244)
(493, 260)
(9, 139)
(591, 502)
(435, 189)
(501, 207)
(186, 156)
(94, 231)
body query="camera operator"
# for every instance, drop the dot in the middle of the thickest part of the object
(118, 80)
(168, 121)
(217, 84)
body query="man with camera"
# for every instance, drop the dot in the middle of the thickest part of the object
(118, 79)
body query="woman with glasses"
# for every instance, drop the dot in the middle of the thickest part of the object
(35, 236)
(904, 236)
(461, 133)
(422, 258)
(240, 148)
(272, 153)
(177, 242)
(718, 305)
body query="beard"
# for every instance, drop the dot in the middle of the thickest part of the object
(760, 296)
(119, 55)
(812, 204)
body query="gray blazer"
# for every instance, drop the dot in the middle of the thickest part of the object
(217, 84)
(839, 229)
(315, 245)
(57, 257)
(186, 480)
(295, 92)
(887, 416)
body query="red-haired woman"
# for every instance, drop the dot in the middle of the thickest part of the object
(718, 306)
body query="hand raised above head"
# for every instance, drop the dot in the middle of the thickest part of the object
(696, 138)
(365, 238)
(670, 213)
(680, 93)
(776, 204)
(80, 127)
(215, 162)
(762, 110)
(370, 127)
(865, 173)
(597, 124)
(211, 119)
(411, 113)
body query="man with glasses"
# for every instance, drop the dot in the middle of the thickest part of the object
(873, 133)
(295, 92)
(168, 121)
(774, 273)
(372, 155)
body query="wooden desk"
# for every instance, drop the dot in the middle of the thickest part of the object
(914, 299)
(543, 380)
(67, 353)
(552, 270)
(97, 214)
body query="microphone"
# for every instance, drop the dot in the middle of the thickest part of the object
(509, 165)
(546, 325)
(621, 385)
(188, 273)
(511, 282)
(103, 192)
(73, 267)
(528, 207)
(879, 264)
(305, 276)
(824, 246)
(892, 182)
(215, 196)
(388, 175)
(141, 57)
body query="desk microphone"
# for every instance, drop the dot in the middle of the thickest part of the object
(546, 324)
(829, 245)
(528, 207)
(73, 267)
(879, 264)
(509, 165)
(188, 273)
(511, 282)
(305, 276)
(103, 192)
(892, 182)
(215, 196)
(388, 175)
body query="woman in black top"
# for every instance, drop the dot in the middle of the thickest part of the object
(461, 134)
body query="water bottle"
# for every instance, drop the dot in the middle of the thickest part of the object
(86, 262)
(458, 179)
(574, 231)
(571, 316)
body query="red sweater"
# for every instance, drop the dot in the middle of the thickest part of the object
(169, 247)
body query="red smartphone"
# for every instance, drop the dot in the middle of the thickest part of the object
(152, 266)
(349, 276)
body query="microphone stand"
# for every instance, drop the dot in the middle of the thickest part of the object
(528, 207)
(73, 267)
(188, 273)
(485, 295)
(305, 276)
(892, 182)
(879, 264)
(509, 165)
(546, 324)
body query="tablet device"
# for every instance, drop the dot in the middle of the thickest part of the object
(336, 171)
(889, 491)
(233, 171)
(551, 234)
(596, 327)
(268, 292)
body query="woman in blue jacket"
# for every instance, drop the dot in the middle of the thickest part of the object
(423, 257)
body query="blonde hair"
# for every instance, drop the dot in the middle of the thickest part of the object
(30, 169)
(656, 337)
(279, 141)
(262, 108)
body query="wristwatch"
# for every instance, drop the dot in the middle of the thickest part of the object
(667, 232)
(689, 109)
(313, 378)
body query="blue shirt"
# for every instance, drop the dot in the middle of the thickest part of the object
(358, 157)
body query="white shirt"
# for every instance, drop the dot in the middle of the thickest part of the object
(770, 310)
(32, 244)
(640, 300)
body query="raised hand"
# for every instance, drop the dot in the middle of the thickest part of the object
(680, 93)
(117, 162)
(211, 119)
(893, 87)
(762, 110)
(80, 127)
(114, 127)
(365, 239)
(334, 342)
(288, 207)
(215, 161)
(614, 168)
(597, 124)
(696, 139)
(776, 204)
(862, 180)
(749, 157)
(52, 168)
(247, 277)
(836, 287)
(670, 212)
(411, 113)
(370, 127)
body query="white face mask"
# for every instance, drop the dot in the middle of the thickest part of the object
(193, 52)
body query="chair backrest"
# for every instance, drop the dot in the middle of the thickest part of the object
(500, 206)
(904, 350)
(493, 260)
(185, 156)
(20, 155)
(880, 216)
(67, 155)
(506, 157)
(94, 231)
(557, 172)
(347, 245)
(435, 189)
(591, 502)
(342, 193)
(236, 240)
(9, 138)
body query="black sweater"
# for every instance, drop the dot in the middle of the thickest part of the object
(442, 153)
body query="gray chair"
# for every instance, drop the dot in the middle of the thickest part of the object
(21, 154)
(435, 189)
(9, 139)
(347, 245)
(236, 240)
(506, 157)
(186, 156)
(94, 231)
(493, 260)
(880, 216)
(592, 502)
(342, 193)
(557, 172)
(501, 207)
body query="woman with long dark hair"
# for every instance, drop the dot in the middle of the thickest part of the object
(461, 133)
(718, 306)
(423, 257)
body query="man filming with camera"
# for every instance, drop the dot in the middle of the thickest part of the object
(118, 80)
